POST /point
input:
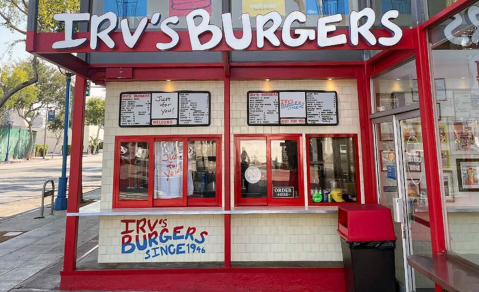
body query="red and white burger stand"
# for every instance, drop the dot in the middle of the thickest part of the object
(234, 131)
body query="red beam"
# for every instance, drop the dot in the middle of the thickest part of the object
(447, 13)
(227, 163)
(208, 280)
(68, 61)
(387, 60)
(44, 42)
(75, 189)
(274, 72)
(431, 156)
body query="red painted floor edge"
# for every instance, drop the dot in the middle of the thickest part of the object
(209, 280)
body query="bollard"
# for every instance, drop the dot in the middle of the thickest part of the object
(47, 194)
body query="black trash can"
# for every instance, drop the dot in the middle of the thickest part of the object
(367, 243)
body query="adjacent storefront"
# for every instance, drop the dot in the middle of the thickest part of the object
(235, 129)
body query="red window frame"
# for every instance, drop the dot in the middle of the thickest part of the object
(151, 202)
(268, 201)
(356, 161)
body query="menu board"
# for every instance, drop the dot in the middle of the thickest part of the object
(315, 108)
(263, 108)
(160, 109)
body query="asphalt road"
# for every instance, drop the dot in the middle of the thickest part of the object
(21, 184)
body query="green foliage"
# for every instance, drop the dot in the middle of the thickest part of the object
(39, 150)
(95, 111)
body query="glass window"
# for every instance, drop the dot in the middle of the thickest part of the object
(134, 170)
(396, 88)
(332, 170)
(314, 9)
(455, 69)
(168, 170)
(405, 18)
(436, 6)
(270, 170)
(201, 169)
(135, 10)
(254, 176)
(169, 188)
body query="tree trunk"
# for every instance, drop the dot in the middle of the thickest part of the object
(30, 147)
(97, 138)
(55, 147)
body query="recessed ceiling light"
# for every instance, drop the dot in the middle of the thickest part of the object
(330, 79)
(399, 79)
(267, 79)
(168, 80)
(463, 77)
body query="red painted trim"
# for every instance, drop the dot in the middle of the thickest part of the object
(71, 62)
(356, 161)
(31, 41)
(209, 280)
(151, 202)
(278, 72)
(44, 42)
(296, 64)
(227, 146)
(75, 188)
(367, 138)
(446, 13)
(157, 65)
(431, 157)
(387, 60)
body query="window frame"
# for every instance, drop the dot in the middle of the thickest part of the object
(158, 203)
(356, 161)
(268, 201)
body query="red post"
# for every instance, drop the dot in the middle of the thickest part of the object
(367, 139)
(74, 193)
(227, 163)
(431, 156)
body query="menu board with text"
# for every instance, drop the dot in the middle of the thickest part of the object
(315, 108)
(160, 109)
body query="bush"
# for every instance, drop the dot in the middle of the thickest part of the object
(39, 150)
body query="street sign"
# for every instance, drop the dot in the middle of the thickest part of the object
(51, 116)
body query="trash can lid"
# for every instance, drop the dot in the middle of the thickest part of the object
(369, 222)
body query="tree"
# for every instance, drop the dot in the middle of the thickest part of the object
(50, 89)
(95, 115)
(56, 128)
(14, 14)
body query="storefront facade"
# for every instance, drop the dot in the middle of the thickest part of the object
(235, 129)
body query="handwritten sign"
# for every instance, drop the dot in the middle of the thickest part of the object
(315, 108)
(160, 109)
(155, 238)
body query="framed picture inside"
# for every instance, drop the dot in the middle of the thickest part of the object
(386, 131)
(445, 159)
(467, 174)
(413, 188)
(411, 132)
(440, 84)
(465, 134)
(448, 185)
(387, 158)
(443, 133)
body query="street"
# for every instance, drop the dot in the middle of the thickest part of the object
(21, 184)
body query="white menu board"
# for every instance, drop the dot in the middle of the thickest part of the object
(135, 109)
(263, 108)
(314, 108)
(160, 109)
(194, 108)
(322, 108)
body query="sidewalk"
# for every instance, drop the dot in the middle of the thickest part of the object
(32, 261)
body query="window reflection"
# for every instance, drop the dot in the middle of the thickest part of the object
(169, 170)
(253, 169)
(202, 169)
(285, 172)
(134, 159)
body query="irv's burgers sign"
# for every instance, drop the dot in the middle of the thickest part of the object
(267, 26)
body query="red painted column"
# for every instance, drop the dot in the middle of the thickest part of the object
(227, 163)
(367, 139)
(431, 156)
(74, 193)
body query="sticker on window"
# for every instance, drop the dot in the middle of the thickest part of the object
(253, 174)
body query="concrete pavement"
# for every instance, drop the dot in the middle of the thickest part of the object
(32, 261)
(21, 184)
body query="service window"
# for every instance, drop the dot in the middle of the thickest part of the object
(168, 172)
(268, 170)
(333, 174)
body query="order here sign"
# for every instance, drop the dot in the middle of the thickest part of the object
(361, 23)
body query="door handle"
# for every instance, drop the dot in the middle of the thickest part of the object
(398, 210)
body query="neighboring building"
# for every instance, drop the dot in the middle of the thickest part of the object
(19, 138)
(226, 160)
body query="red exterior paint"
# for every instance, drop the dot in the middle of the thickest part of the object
(149, 40)
(227, 162)
(356, 161)
(446, 13)
(387, 60)
(209, 280)
(268, 201)
(75, 188)
(151, 202)
(431, 156)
